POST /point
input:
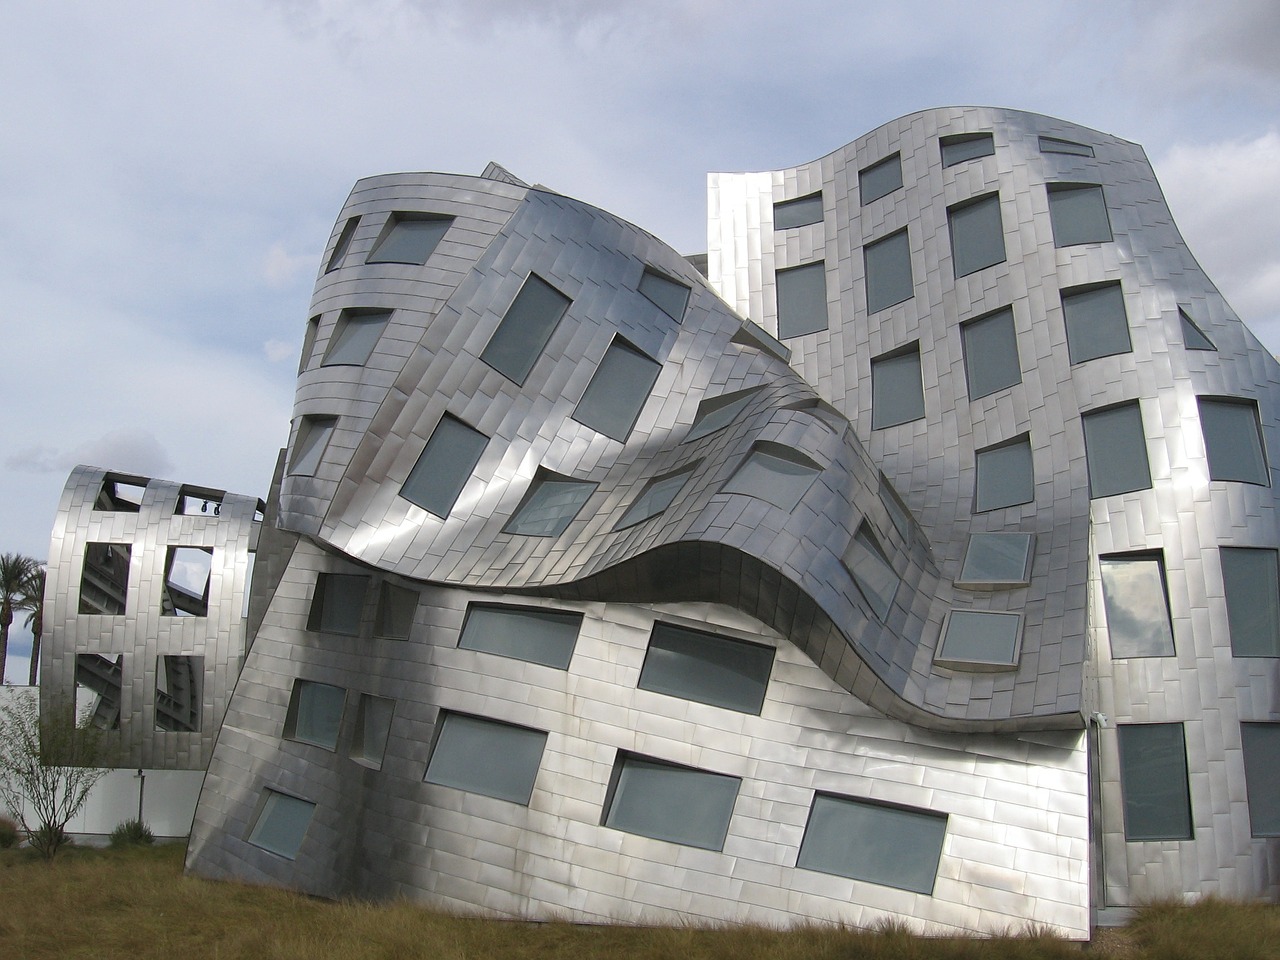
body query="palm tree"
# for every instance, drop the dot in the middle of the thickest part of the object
(31, 599)
(15, 569)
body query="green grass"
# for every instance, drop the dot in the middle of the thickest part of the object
(133, 902)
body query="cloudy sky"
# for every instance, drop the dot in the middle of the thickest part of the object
(170, 170)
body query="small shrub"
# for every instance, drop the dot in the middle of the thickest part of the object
(48, 837)
(131, 833)
(8, 833)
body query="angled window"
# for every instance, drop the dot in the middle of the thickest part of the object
(99, 688)
(532, 634)
(314, 434)
(193, 501)
(525, 329)
(1153, 781)
(444, 466)
(1078, 212)
(488, 757)
(997, 560)
(669, 296)
(409, 238)
(977, 234)
(187, 573)
(669, 802)
(179, 693)
(397, 607)
(104, 579)
(799, 212)
(980, 639)
(706, 667)
(862, 840)
(880, 179)
(874, 575)
(343, 245)
(756, 337)
(281, 824)
(898, 511)
(120, 494)
(315, 713)
(1004, 476)
(1137, 605)
(372, 730)
(309, 342)
(354, 337)
(1096, 322)
(802, 300)
(888, 271)
(1115, 449)
(338, 603)
(991, 353)
(1054, 145)
(1233, 440)
(965, 146)
(1261, 743)
(656, 496)
(550, 506)
(897, 395)
(1251, 580)
(716, 413)
(1193, 338)
(775, 474)
(618, 390)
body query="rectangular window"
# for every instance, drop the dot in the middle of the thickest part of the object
(669, 802)
(550, 506)
(880, 179)
(991, 353)
(802, 300)
(888, 271)
(798, 213)
(281, 824)
(343, 245)
(716, 413)
(373, 729)
(1137, 605)
(488, 757)
(104, 579)
(1004, 476)
(1096, 322)
(187, 572)
(409, 238)
(617, 391)
(444, 466)
(356, 334)
(179, 693)
(1153, 781)
(1054, 145)
(338, 603)
(532, 634)
(1233, 440)
(313, 437)
(666, 294)
(525, 329)
(977, 235)
(871, 570)
(99, 687)
(960, 147)
(893, 846)
(1193, 338)
(1251, 581)
(897, 395)
(706, 667)
(775, 474)
(397, 607)
(1078, 213)
(997, 560)
(656, 497)
(315, 713)
(980, 638)
(1261, 743)
(1115, 449)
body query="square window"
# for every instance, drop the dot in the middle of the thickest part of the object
(1261, 743)
(187, 572)
(314, 434)
(669, 802)
(120, 494)
(1233, 440)
(716, 413)
(409, 238)
(802, 300)
(354, 337)
(179, 693)
(991, 353)
(980, 639)
(656, 497)
(1054, 145)
(775, 474)
(1004, 476)
(104, 579)
(617, 391)
(1078, 212)
(977, 235)
(1096, 322)
(888, 271)
(343, 245)
(965, 146)
(444, 466)
(1193, 338)
(550, 506)
(525, 329)
(397, 606)
(897, 395)
(798, 213)
(1137, 605)
(372, 730)
(99, 687)
(891, 846)
(706, 667)
(874, 575)
(1153, 780)
(532, 634)
(1251, 581)
(997, 560)
(880, 179)
(338, 604)
(669, 296)
(315, 713)
(498, 760)
(1116, 450)
(281, 824)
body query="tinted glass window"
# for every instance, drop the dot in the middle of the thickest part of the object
(668, 802)
(880, 179)
(897, 395)
(1078, 213)
(802, 300)
(355, 337)
(525, 329)
(1116, 450)
(991, 354)
(1137, 604)
(618, 390)
(1233, 441)
(977, 235)
(409, 238)
(965, 146)
(549, 507)
(772, 477)
(1004, 477)
(523, 633)
(1096, 323)
(981, 638)
(707, 668)
(872, 572)
(495, 759)
(892, 846)
(282, 824)
(798, 213)
(1252, 584)
(888, 271)
(338, 603)
(444, 466)
(997, 558)
(1261, 742)
(668, 295)
(1153, 780)
(315, 713)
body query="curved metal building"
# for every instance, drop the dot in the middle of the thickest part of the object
(944, 588)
